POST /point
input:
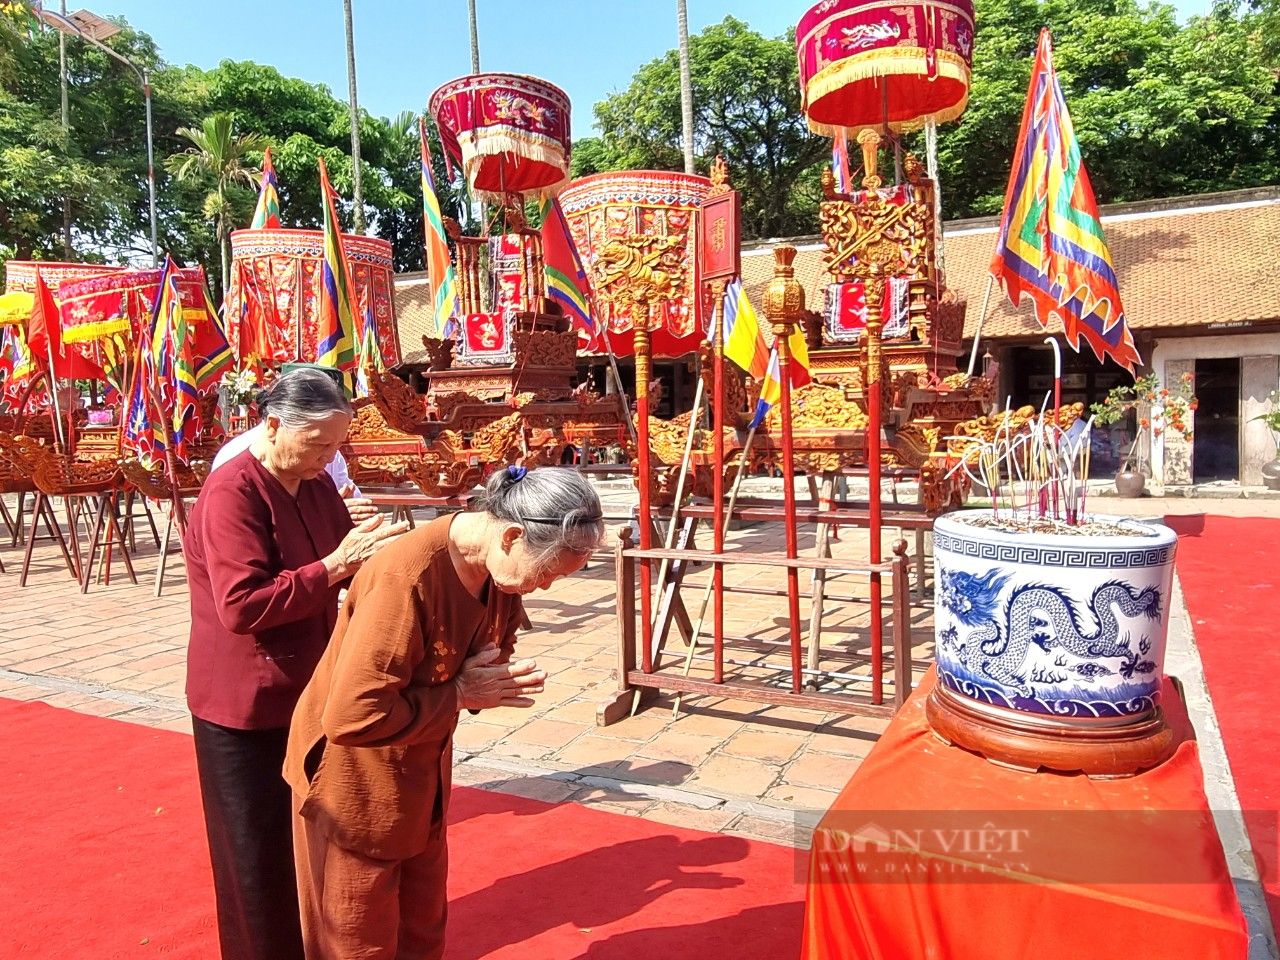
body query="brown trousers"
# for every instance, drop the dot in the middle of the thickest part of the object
(356, 907)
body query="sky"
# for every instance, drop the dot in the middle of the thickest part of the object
(405, 49)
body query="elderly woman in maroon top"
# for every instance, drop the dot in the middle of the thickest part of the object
(269, 546)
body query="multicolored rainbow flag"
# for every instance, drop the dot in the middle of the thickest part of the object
(370, 351)
(743, 338)
(335, 323)
(840, 162)
(566, 279)
(186, 400)
(1050, 245)
(155, 387)
(441, 277)
(267, 214)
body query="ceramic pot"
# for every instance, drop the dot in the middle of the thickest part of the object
(1130, 483)
(1271, 474)
(1060, 628)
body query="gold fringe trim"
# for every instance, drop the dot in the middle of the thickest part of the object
(874, 64)
(98, 330)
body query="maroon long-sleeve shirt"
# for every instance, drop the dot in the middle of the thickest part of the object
(262, 608)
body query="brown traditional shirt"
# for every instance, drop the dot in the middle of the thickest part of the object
(262, 607)
(370, 748)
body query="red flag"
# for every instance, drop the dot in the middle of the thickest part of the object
(44, 337)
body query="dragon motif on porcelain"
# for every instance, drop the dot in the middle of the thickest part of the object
(997, 640)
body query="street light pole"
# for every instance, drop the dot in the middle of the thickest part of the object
(151, 172)
(69, 27)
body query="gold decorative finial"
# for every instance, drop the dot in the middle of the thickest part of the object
(869, 140)
(719, 176)
(784, 297)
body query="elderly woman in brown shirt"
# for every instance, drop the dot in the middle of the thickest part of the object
(269, 545)
(427, 630)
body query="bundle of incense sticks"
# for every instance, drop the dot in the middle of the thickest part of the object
(1040, 471)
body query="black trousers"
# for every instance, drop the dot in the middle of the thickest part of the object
(248, 813)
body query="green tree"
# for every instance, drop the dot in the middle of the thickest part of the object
(746, 107)
(220, 158)
(1159, 109)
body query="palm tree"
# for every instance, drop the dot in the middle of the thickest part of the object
(357, 193)
(219, 155)
(686, 83)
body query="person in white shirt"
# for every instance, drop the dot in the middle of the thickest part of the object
(360, 508)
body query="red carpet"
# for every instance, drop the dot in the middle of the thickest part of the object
(1228, 570)
(104, 858)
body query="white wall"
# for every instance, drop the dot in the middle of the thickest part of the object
(1200, 348)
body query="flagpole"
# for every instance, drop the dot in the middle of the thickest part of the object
(977, 334)
(685, 467)
(718, 530)
(724, 517)
(617, 381)
(784, 300)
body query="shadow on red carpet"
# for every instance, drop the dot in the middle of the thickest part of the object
(105, 858)
(1228, 571)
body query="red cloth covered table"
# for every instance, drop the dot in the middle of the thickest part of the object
(931, 851)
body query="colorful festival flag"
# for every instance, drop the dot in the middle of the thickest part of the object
(44, 339)
(1050, 245)
(743, 339)
(186, 406)
(212, 349)
(441, 277)
(335, 322)
(154, 389)
(370, 351)
(771, 389)
(267, 214)
(566, 279)
(840, 162)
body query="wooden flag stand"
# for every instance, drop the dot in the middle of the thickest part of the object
(868, 240)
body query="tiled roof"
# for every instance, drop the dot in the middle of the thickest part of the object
(413, 315)
(1183, 267)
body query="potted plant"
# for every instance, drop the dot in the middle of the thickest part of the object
(1160, 411)
(1271, 469)
(1050, 622)
(240, 385)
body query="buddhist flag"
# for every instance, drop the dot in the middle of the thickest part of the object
(335, 323)
(1050, 245)
(566, 279)
(743, 339)
(267, 214)
(441, 278)
(771, 389)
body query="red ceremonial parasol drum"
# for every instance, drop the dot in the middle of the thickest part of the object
(273, 302)
(105, 316)
(510, 133)
(864, 63)
(608, 205)
(20, 275)
(97, 308)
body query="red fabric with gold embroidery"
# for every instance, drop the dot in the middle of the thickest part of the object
(510, 133)
(604, 206)
(275, 289)
(853, 52)
(1116, 868)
